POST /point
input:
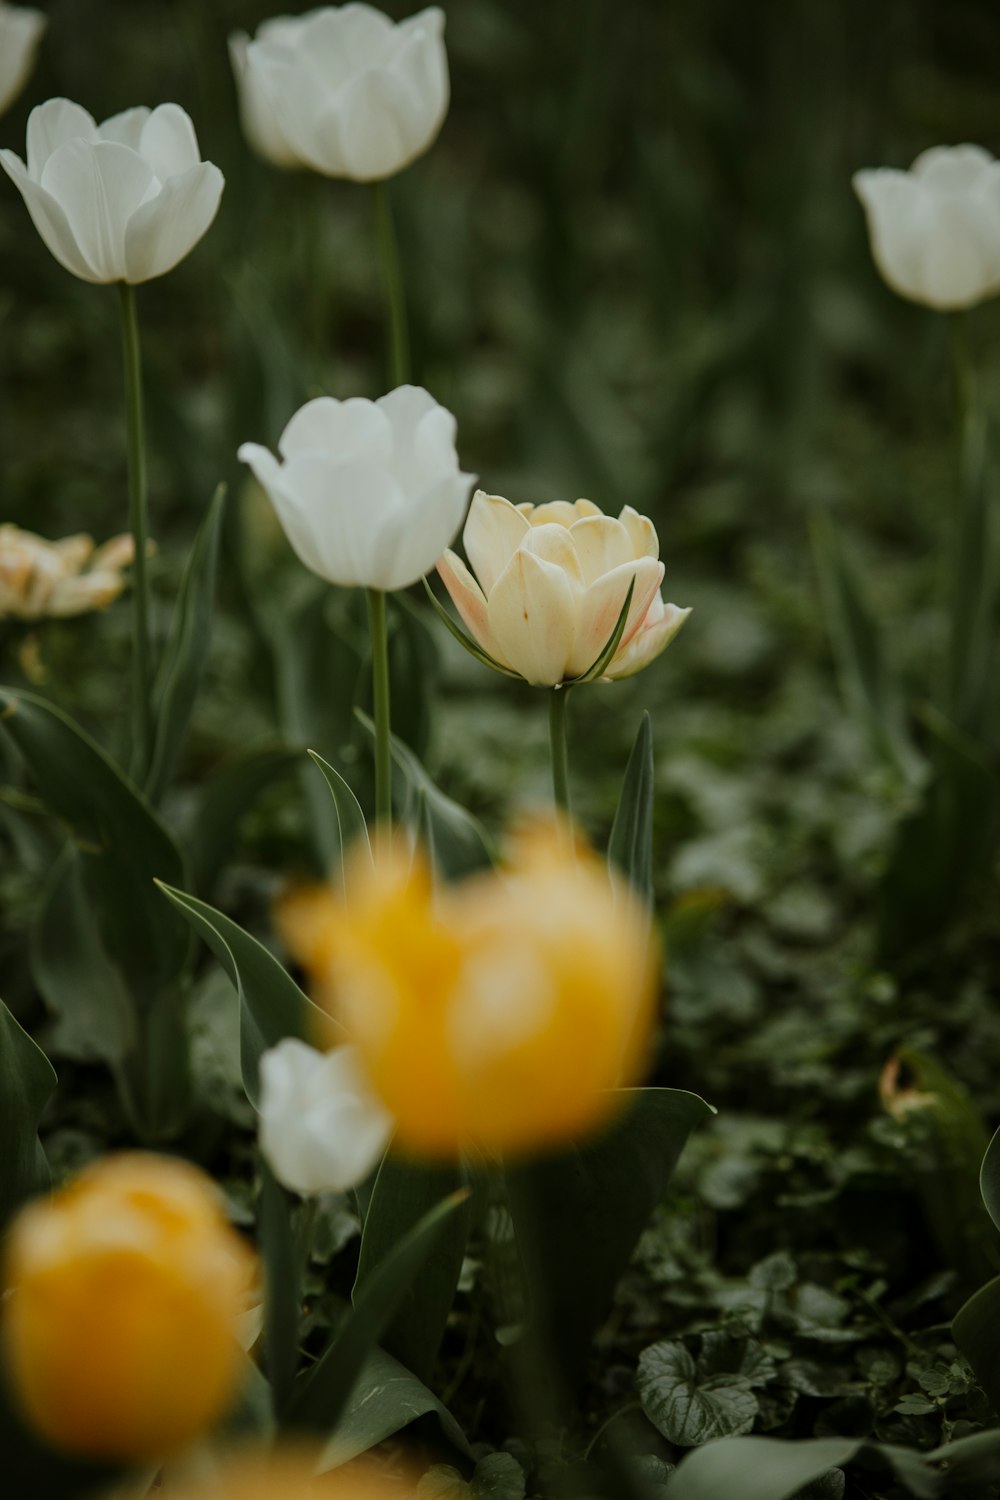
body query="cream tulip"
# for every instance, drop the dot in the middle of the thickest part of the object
(935, 230)
(343, 90)
(20, 33)
(40, 579)
(369, 492)
(121, 201)
(549, 584)
(322, 1129)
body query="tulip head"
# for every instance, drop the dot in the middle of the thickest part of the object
(343, 90)
(935, 230)
(21, 31)
(41, 579)
(503, 1010)
(292, 1473)
(125, 1293)
(369, 492)
(121, 201)
(322, 1128)
(548, 585)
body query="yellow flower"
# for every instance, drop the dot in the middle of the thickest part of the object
(125, 1295)
(291, 1474)
(502, 1010)
(39, 578)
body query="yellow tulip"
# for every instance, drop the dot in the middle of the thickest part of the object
(125, 1294)
(290, 1474)
(502, 1010)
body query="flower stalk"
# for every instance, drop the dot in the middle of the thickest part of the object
(142, 725)
(392, 277)
(970, 644)
(558, 704)
(379, 631)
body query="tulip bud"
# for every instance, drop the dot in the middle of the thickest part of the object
(550, 583)
(343, 90)
(125, 1292)
(935, 230)
(369, 492)
(121, 201)
(41, 579)
(20, 33)
(501, 1010)
(322, 1129)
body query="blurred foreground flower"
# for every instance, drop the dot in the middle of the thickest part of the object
(369, 492)
(41, 579)
(935, 230)
(126, 1291)
(343, 90)
(20, 33)
(501, 1010)
(291, 1474)
(322, 1129)
(121, 201)
(550, 585)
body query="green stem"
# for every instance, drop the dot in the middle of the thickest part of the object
(969, 586)
(380, 695)
(558, 700)
(142, 723)
(398, 332)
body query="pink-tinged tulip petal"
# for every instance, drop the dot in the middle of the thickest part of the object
(647, 643)
(602, 603)
(642, 533)
(167, 228)
(602, 543)
(493, 532)
(532, 616)
(468, 599)
(49, 219)
(51, 125)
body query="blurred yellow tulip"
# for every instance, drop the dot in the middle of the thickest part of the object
(125, 1292)
(291, 1474)
(502, 1010)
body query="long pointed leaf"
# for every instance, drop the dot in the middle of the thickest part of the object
(630, 847)
(605, 656)
(350, 818)
(463, 639)
(26, 1082)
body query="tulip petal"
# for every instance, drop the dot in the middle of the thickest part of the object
(423, 435)
(49, 219)
(349, 431)
(532, 616)
(298, 96)
(125, 128)
(100, 186)
(349, 512)
(493, 532)
(409, 544)
(953, 168)
(469, 600)
(161, 232)
(563, 512)
(169, 143)
(257, 114)
(602, 543)
(642, 533)
(21, 30)
(554, 543)
(339, 41)
(602, 604)
(51, 125)
(647, 643)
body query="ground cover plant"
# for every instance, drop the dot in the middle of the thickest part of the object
(451, 1043)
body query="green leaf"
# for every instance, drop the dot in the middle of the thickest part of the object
(463, 639)
(351, 826)
(498, 1476)
(604, 658)
(630, 847)
(26, 1083)
(404, 1191)
(386, 1398)
(687, 1406)
(223, 801)
(271, 1004)
(976, 1331)
(969, 1460)
(578, 1215)
(186, 650)
(460, 842)
(282, 1287)
(871, 690)
(942, 848)
(322, 1394)
(759, 1468)
(971, 643)
(123, 845)
(989, 1179)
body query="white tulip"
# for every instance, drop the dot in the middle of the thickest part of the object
(121, 201)
(343, 90)
(322, 1129)
(370, 492)
(20, 32)
(550, 583)
(935, 230)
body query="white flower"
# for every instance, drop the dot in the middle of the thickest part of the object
(550, 583)
(935, 230)
(20, 32)
(370, 492)
(343, 90)
(121, 201)
(40, 579)
(322, 1130)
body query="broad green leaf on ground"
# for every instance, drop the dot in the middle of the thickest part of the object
(976, 1331)
(759, 1468)
(498, 1476)
(322, 1393)
(404, 1191)
(123, 845)
(186, 651)
(578, 1215)
(271, 1004)
(686, 1404)
(386, 1398)
(630, 847)
(26, 1082)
